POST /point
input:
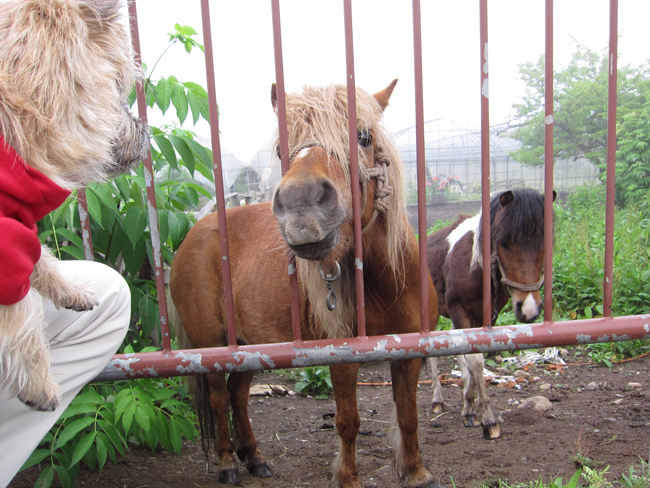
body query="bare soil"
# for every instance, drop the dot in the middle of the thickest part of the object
(606, 422)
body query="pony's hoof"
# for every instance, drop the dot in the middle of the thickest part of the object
(229, 477)
(437, 408)
(491, 431)
(261, 470)
(470, 421)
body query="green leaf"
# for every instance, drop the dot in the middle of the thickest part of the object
(195, 106)
(175, 435)
(163, 433)
(102, 453)
(73, 429)
(94, 208)
(36, 457)
(163, 94)
(45, 478)
(75, 252)
(135, 222)
(167, 150)
(82, 447)
(179, 99)
(68, 235)
(127, 416)
(185, 152)
(142, 418)
(113, 435)
(64, 476)
(108, 445)
(82, 408)
(122, 399)
(91, 397)
(178, 227)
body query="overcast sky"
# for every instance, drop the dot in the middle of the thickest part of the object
(314, 53)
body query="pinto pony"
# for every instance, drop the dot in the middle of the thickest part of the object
(455, 261)
(310, 217)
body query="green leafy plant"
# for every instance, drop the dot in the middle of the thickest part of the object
(313, 380)
(104, 419)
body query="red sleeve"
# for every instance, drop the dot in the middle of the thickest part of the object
(20, 249)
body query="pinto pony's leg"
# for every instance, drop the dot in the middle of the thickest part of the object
(239, 385)
(438, 402)
(219, 400)
(491, 428)
(408, 461)
(344, 384)
(470, 412)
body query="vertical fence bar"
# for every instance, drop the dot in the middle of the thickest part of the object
(422, 188)
(151, 190)
(354, 169)
(612, 91)
(284, 155)
(86, 238)
(548, 166)
(485, 168)
(218, 174)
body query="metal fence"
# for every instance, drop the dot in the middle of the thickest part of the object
(362, 348)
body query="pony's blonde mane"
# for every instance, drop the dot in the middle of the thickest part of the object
(321, 114)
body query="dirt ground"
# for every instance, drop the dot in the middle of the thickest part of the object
(595, 412)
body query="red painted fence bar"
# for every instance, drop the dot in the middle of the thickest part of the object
(284, 155)
(419, 139)
(548, 166)
(375, 348)
(485, 165)
(360, 349)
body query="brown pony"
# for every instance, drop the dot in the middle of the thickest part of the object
(455, 261)
(313, 207)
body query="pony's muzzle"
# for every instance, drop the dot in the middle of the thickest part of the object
(528, 310)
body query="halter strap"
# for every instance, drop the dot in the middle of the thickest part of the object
(513, 284)
(383, 190)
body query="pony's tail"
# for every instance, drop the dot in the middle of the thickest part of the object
(197, 384)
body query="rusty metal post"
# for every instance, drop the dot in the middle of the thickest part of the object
(422, 188)
(612, 95)
(354, 169)
(548, 166)
(284, 156)
(218, 174)
(485, 168)
(151, 191)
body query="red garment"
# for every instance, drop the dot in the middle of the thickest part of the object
(26, 196)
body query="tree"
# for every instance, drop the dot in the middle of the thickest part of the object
(580, 107)
(633, 157)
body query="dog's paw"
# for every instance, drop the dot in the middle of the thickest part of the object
(81, 301)
(46, 400)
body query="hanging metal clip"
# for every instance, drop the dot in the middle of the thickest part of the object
(331, 296)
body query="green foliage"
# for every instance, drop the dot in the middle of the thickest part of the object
(103, 420)
(633, 157)
(313, 380)
(580, 106)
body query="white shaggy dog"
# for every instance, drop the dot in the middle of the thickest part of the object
(66, 67)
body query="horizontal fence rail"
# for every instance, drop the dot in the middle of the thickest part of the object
(427, 343)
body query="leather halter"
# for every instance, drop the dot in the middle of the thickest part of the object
(513, 284)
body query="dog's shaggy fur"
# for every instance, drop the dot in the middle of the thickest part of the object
(66, 67)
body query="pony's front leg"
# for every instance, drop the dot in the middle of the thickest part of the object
(344, 384)
(491, 428)
(468, 379)
(239, 385)
(219, 400)
(438, 402)
(408, 461)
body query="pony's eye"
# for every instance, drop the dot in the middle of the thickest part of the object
(364, 137)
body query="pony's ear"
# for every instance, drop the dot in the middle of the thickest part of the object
(506, 197)
(274, 98)
(383, 96)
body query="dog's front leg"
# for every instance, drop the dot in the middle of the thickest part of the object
(49, 282)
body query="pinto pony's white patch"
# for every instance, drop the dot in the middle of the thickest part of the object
(469, 225)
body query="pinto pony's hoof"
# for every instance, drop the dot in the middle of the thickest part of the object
(261, 470)
(230, 477)
(492, 431)
(470, 421)
(437, 408)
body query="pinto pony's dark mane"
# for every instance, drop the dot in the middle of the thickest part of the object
(520, 221)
